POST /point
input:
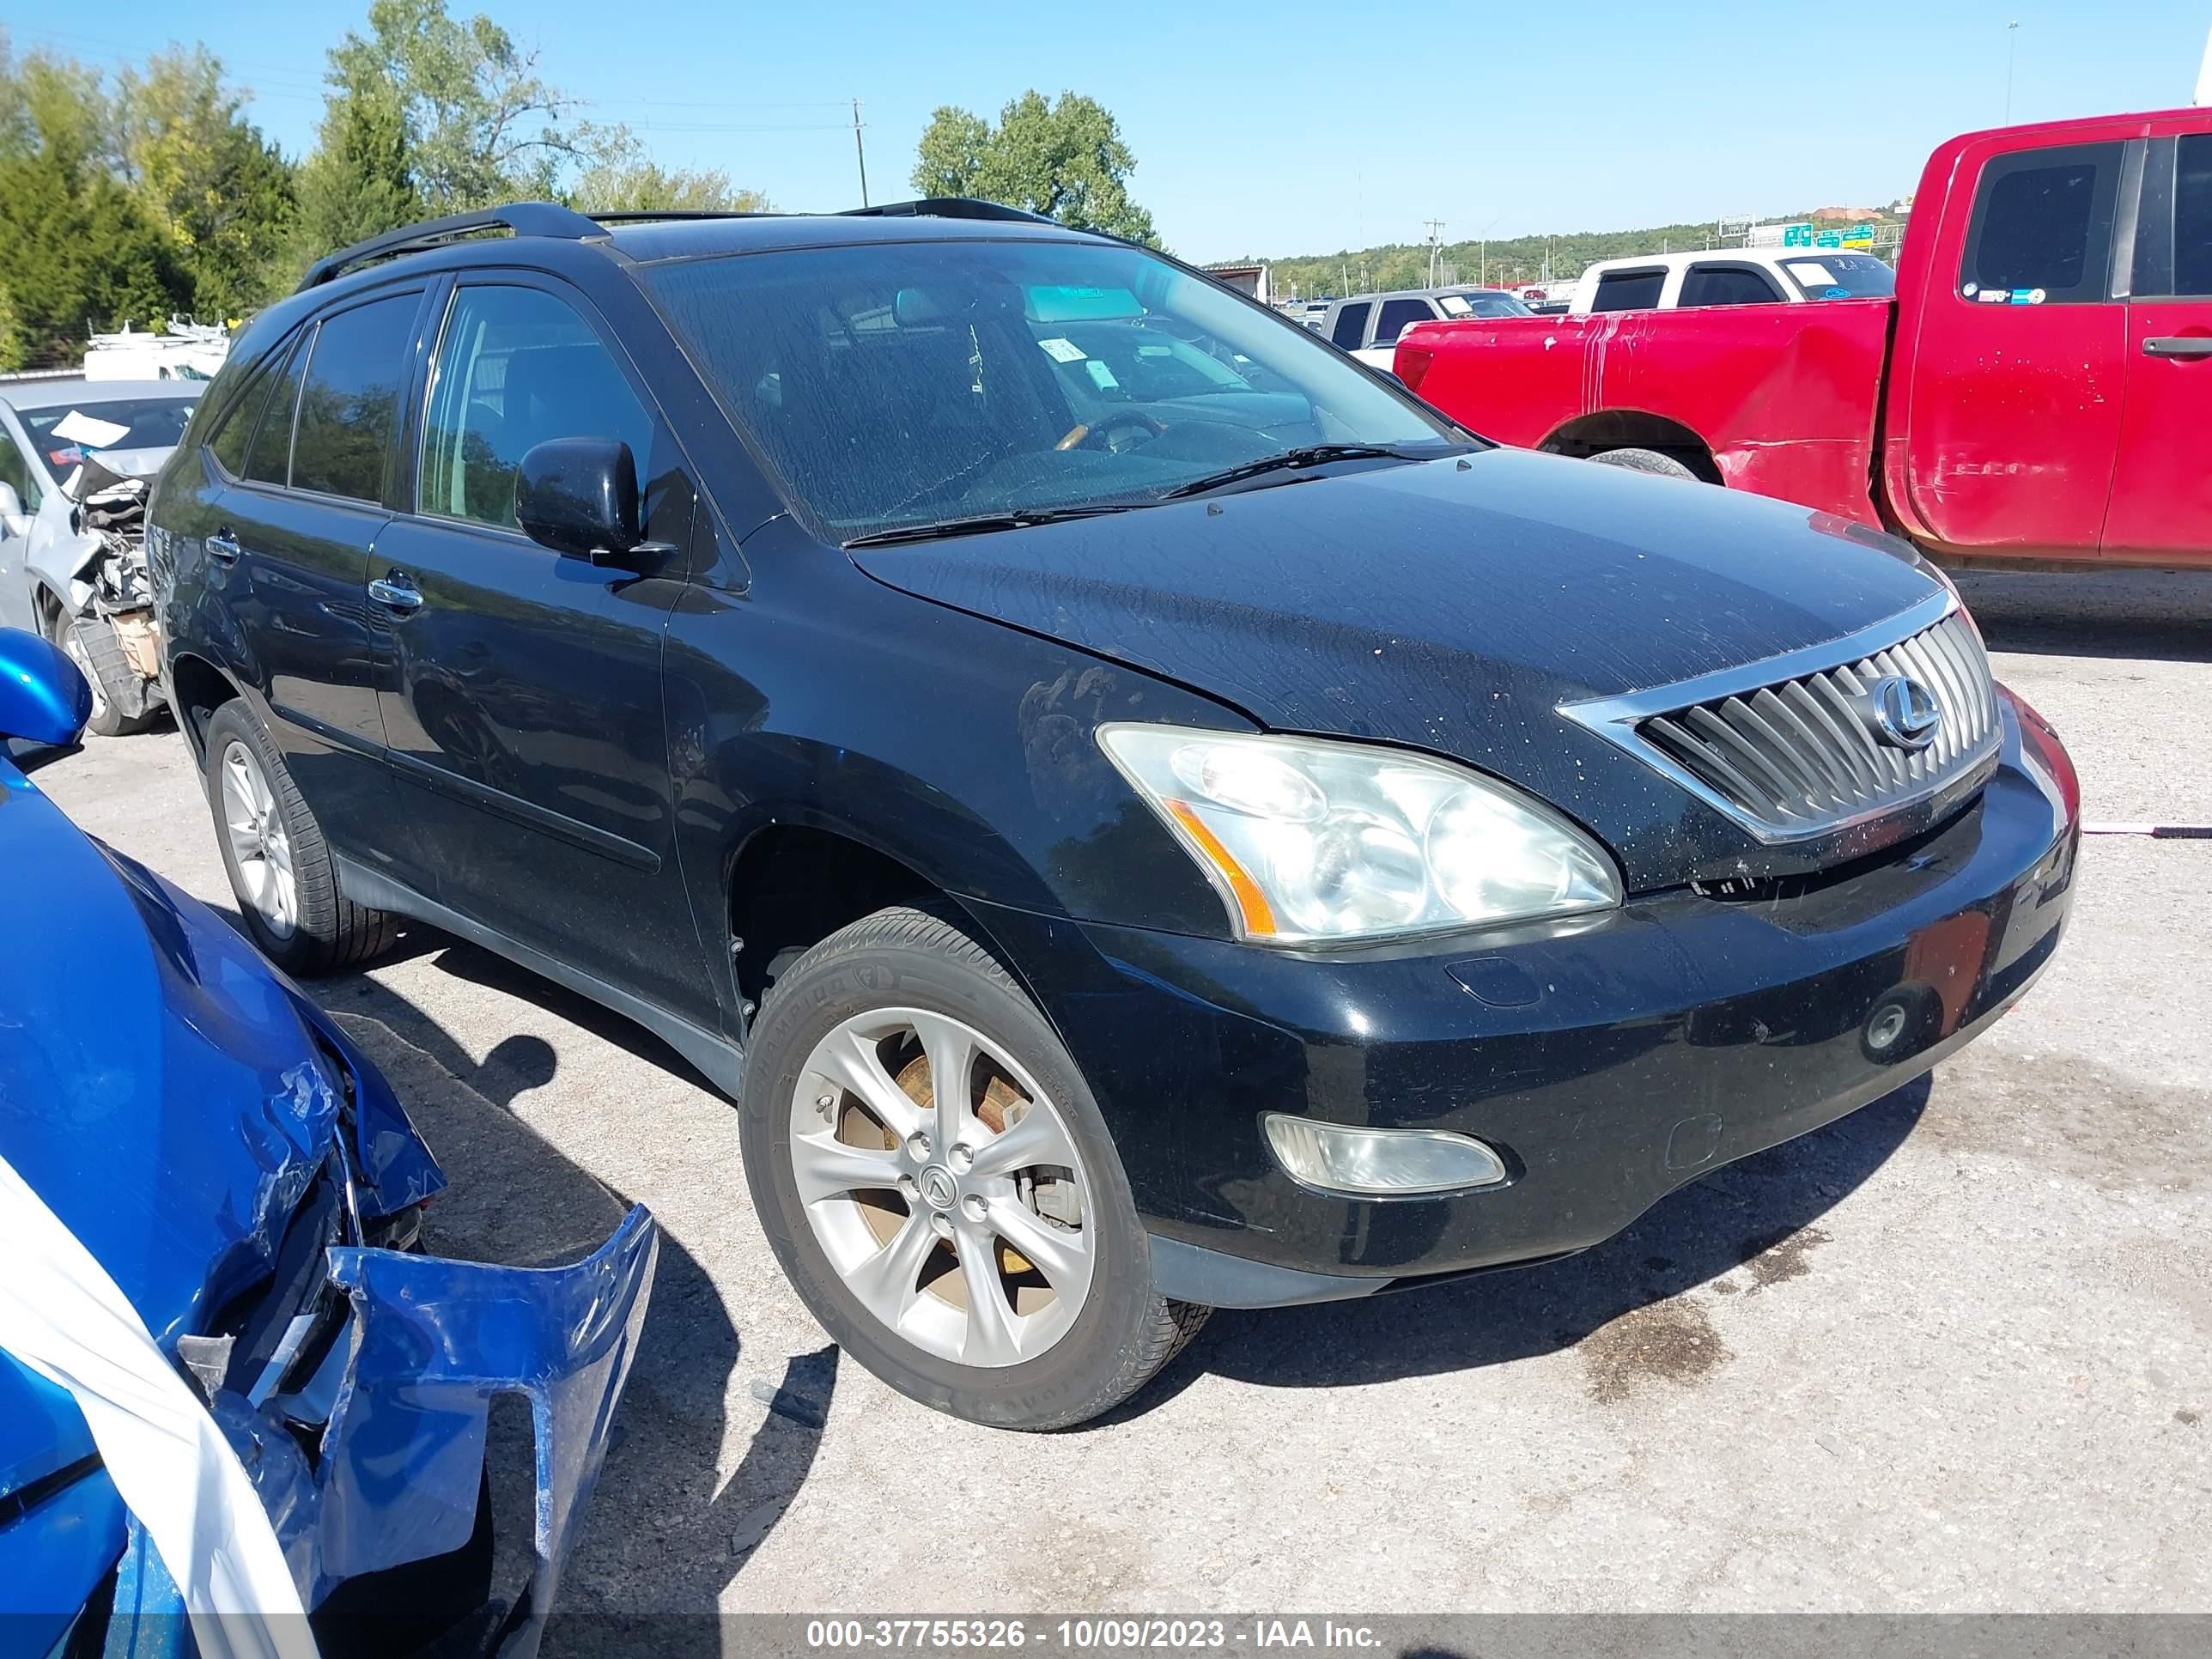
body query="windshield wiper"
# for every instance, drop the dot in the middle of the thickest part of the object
(1018, 518)
(1289, 461)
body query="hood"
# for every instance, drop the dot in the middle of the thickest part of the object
(162, 1089)
(1448, 606)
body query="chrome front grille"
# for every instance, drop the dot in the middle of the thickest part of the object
(1792, 748)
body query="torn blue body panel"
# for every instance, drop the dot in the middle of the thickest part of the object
(249, 1180)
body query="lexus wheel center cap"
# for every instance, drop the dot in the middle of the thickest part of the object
(939, 1187)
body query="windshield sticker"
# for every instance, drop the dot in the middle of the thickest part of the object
(1993, 296)
(69, 457)
(2027, 297)
(1454, 306)
(82, 428)
(1833, 293)
(1812, 272)
(1102, 376)
(1062, 351)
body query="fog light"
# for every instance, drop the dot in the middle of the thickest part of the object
(1381, 1163)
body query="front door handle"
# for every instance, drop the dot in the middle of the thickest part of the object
(222, 546)
(2182, 347)
(397, 589)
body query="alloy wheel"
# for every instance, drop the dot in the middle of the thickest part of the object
(260, 846)
(943, 1185)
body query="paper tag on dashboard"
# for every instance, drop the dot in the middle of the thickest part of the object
(1063, 351)
(80, 428)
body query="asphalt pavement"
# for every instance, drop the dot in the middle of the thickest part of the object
(1953, 1353)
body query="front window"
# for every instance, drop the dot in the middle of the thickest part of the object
(904, 384)
(2042, 227)
(1843, 277)
(1482, 303)
(135, 423)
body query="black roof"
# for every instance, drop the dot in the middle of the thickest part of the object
(675, 235)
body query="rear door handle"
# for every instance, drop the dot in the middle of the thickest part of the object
(2182, 346)
(222, 547)
(397, 589)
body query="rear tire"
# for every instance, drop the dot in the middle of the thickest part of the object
(1086, 1328)
(274, 852)
(1646, 460)
(91, 644)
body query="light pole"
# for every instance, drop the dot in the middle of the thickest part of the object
(1482, 254)
(2012, 52)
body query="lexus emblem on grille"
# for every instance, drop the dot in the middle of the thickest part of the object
(1904, 712)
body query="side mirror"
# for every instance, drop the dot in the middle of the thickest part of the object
(43, 698)
(579, 496)
(14, 521)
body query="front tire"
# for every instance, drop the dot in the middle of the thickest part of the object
(979, 1251)
(90, 643)
(274, 852)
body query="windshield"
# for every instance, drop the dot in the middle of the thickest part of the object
(1843, 277)
(905, 383)
(63, 432)
(1481, 304)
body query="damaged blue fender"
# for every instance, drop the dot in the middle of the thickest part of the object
(249, 1180)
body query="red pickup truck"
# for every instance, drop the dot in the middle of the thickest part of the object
(2038, 390)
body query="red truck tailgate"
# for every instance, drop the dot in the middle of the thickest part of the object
(1783, 395)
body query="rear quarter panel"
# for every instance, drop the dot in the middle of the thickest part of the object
(1786, 397)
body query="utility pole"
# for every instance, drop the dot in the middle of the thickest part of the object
(860, 154)
(1435, 227)
(2012, 52)
(1482, 254)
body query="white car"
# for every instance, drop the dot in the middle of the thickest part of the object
(75, 459)
(1368, 324)
(1731, 276)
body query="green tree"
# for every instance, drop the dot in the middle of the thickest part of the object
(479, 125)
(82, 253)
(11, 335)
(359, 180)
(223, 191)
(1064, 157)
(620, 177)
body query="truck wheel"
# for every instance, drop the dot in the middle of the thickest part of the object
(90, 643)
(935, 1177)
(1646, 460)
(274, 852)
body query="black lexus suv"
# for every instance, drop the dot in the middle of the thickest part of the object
(1139, 812)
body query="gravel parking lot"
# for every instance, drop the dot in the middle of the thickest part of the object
(1952, 1353)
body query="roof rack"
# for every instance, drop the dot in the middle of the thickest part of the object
(658, 216)
(523, 218)
(950, 207)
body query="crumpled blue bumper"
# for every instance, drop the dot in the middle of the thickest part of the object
(403, 1394)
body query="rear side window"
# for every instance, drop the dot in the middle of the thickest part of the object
(235, 429)
(2192, 216)
(514, 368)
(1350, 326)
(2042, 227)
(1629, 290)
(349, 400)
(269, 451)
(1398, 316)
(1728, 285)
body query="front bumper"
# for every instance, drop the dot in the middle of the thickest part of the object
(1610, 1061)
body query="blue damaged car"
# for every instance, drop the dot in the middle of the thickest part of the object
(249, 1182)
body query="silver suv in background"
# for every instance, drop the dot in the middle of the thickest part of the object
(1368, 324)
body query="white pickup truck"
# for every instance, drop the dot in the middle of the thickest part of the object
(1731, 276)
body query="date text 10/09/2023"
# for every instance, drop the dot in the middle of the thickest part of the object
(1057, 1636)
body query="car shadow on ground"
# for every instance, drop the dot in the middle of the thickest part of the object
(1760, 1214)
(664, 1532)
(2165, 615)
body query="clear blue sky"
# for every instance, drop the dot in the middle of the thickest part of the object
(1293, 129)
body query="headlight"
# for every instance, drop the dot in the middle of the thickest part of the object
(1310, 840)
